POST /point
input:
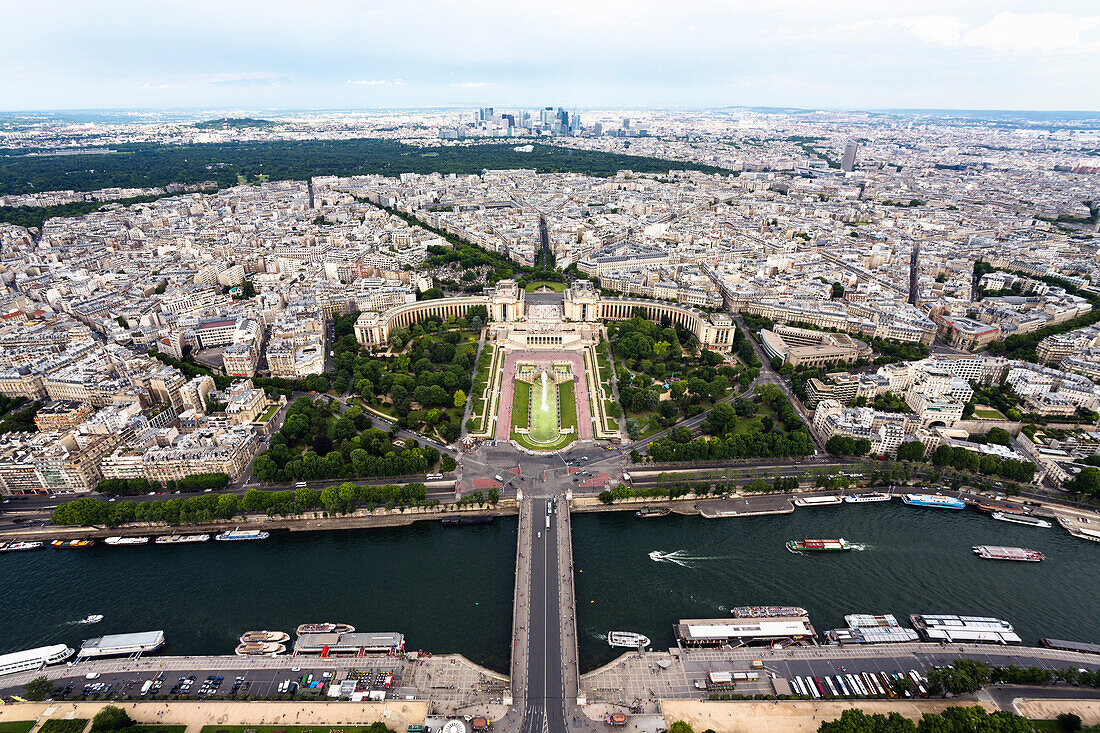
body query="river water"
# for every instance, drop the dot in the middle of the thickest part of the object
(448, 589)
(912, 561)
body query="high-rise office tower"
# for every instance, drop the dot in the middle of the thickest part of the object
(849, 161)
(914, 275)
(485, 114)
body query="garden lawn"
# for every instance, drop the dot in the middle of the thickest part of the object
(521, 398)
(16, 726)
(556, 287)
(987, 413)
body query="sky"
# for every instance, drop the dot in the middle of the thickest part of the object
(829, 54)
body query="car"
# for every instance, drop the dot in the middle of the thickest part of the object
(92, 676)
(295, 669)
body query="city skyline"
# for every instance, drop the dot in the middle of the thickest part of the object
(928, 55)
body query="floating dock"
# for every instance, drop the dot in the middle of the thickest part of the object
(965, 629)
(766, 625)
(355, 643)
(868, 629)
(117, 645)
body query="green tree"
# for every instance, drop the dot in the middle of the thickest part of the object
(1086, 482)
(460, 399)
(912, 450)
(109, 719)
(38, 689)
(680, 727)
(1069, 722)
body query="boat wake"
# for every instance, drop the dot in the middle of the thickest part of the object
(679, 557)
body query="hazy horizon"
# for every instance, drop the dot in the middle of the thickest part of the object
(846, 55)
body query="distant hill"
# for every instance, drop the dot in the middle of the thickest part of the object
(225, 123)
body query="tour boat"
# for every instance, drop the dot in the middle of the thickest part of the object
(325, 628)
(176, 539)
(126, 541)
(93, 618)
(652, 511)
(865, 498)
(807, 501)
(16, 546)
(1017, 518)
(838, 545)
(237, 535)
(626, 639)
(1020, 554)
(934, 501)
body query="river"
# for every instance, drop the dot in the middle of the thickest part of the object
(447, 589)
(911, 561)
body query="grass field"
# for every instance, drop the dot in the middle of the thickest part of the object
(987, 413)
(568, 417)
(292, 728)
(544, 411)
(556, 287)
(76, 725)
(520, 399)
(16, 726)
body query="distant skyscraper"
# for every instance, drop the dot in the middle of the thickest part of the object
(914, 275)
(485, 114)
(849, 161)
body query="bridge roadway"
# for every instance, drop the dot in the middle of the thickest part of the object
(545, 673)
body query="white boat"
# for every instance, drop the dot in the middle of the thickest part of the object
(934, 501)
(176, 539)
(33, 659)
(1081, 527)
(1021, 519)
(92, 618)
(865, 498)
(236, 535)
(126, 541)
(818, 501)
(16, 546)
(117, 645)
(626, 639)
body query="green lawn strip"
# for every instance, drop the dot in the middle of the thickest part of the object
(568, 405)
(76, 725)
(558, 444)
(289, 728)
(16, 726)
(556, 287)
(521, 398)
(988, 412)
(139, 728)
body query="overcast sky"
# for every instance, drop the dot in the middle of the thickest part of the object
(855, 54)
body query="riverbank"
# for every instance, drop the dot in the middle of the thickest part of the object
(791, 717)
(733, 505)
(309, 522)
(397, 714)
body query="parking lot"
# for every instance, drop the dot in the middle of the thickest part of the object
(638, 681)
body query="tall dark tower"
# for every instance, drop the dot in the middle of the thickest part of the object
(914, 275)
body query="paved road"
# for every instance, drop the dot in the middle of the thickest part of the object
(545, 695)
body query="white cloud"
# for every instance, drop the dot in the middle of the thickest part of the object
(472, 84)
(376, 82)
(163, 85)
(1015, 32)
(943, 29)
